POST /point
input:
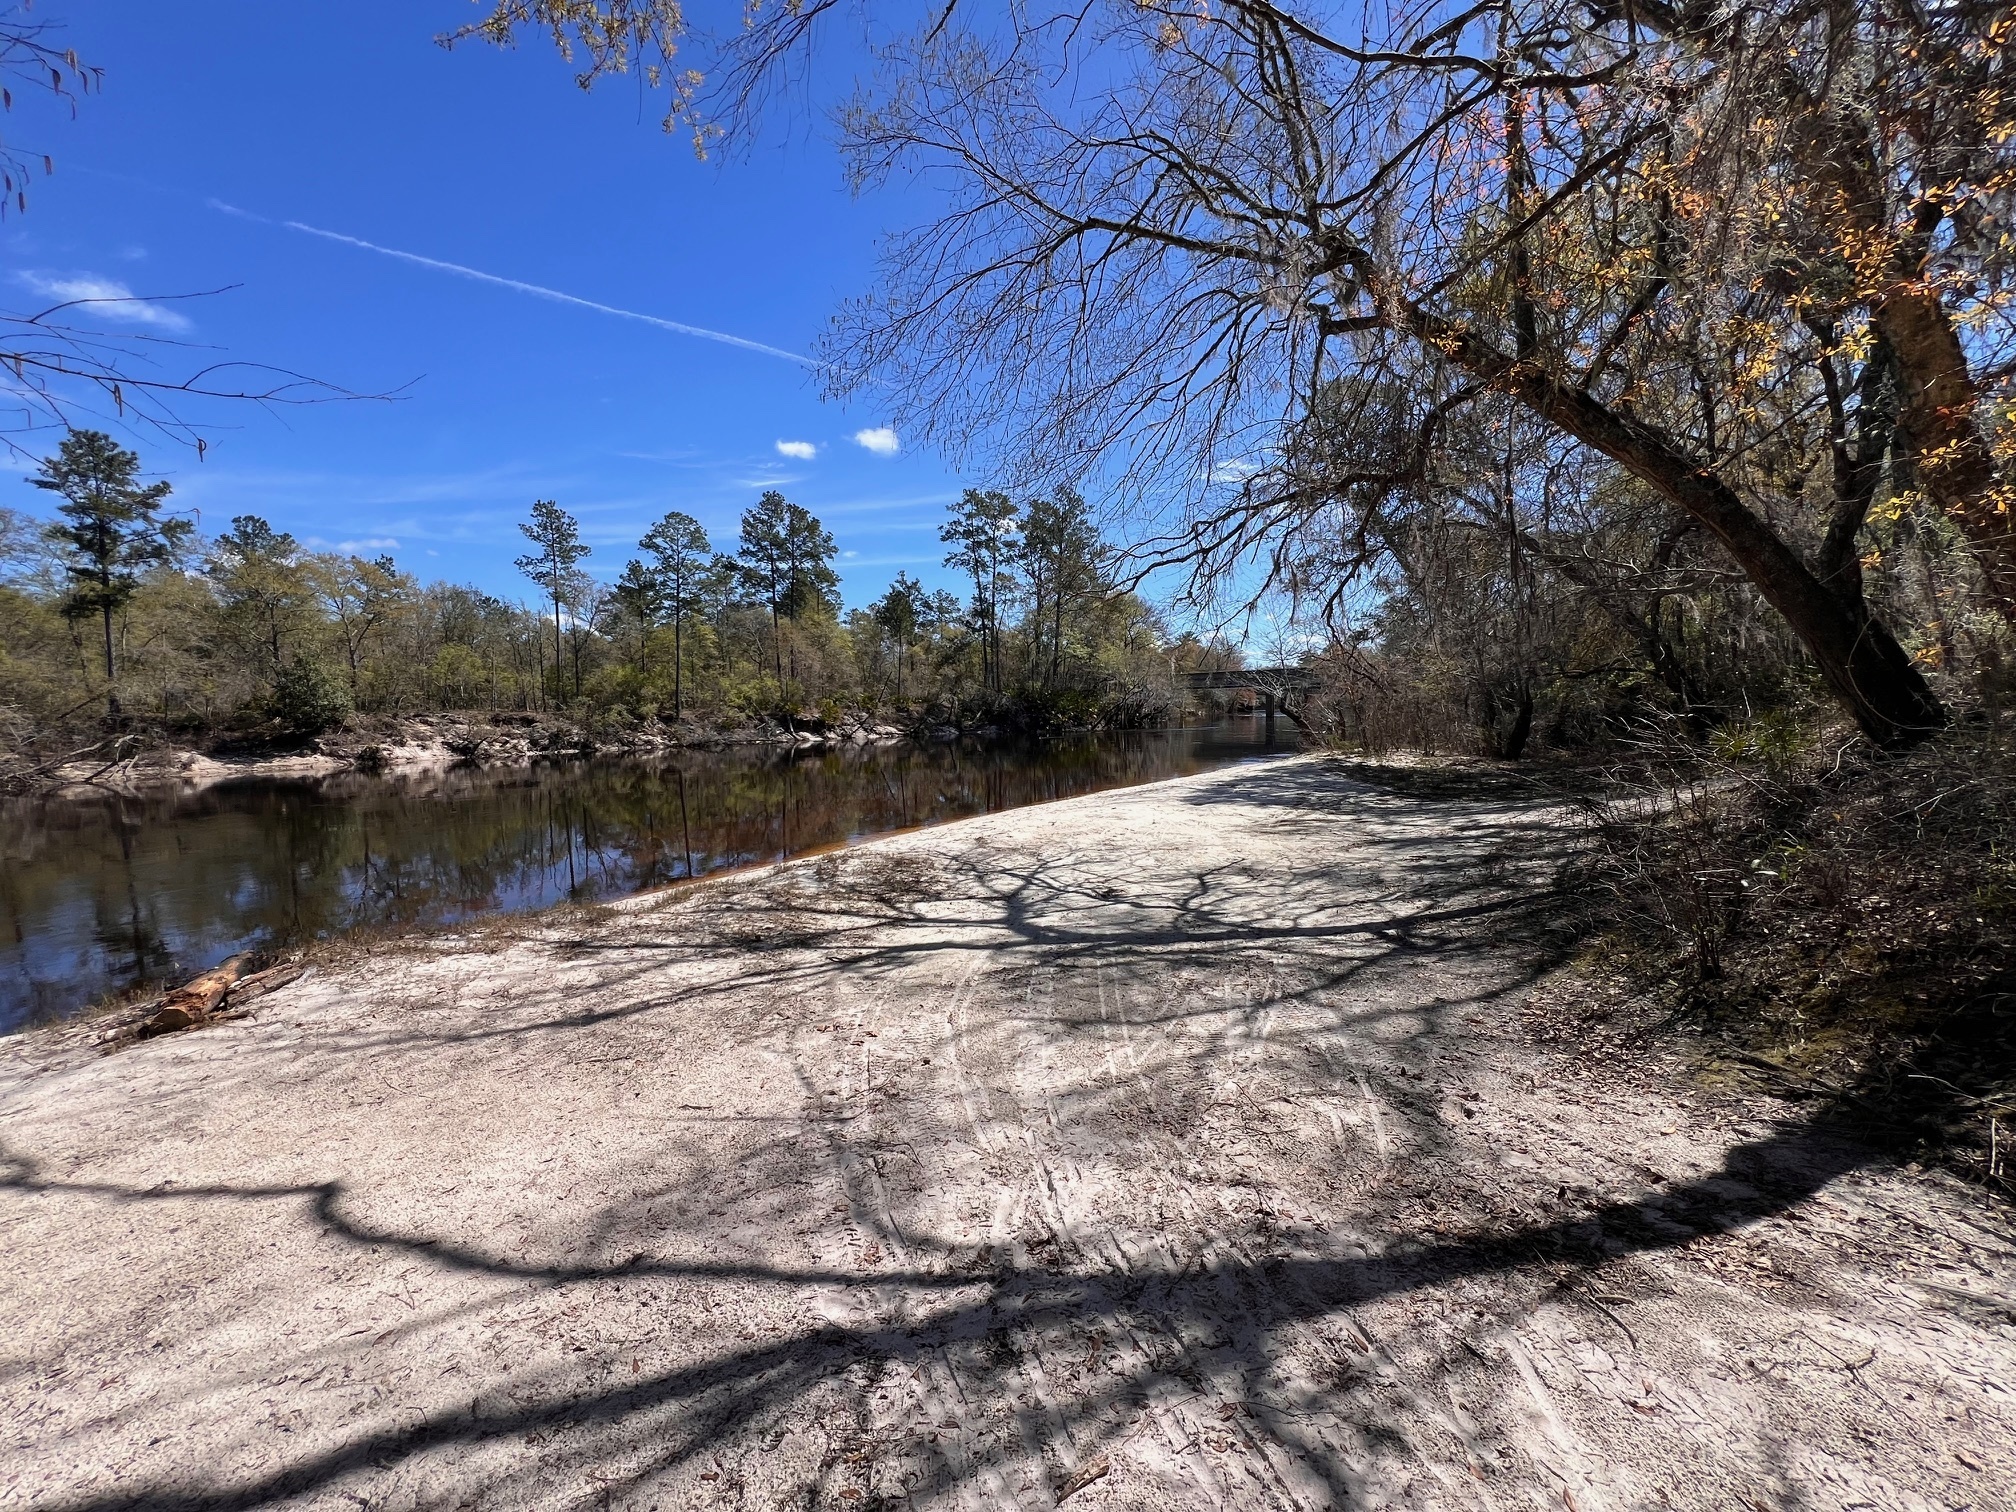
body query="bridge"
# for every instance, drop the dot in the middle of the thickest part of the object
(1279, 687)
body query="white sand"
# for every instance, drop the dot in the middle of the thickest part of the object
(1190, 1132)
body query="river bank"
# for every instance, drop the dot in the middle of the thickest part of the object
(433, 742)
(105, 893)
(1184, 1145)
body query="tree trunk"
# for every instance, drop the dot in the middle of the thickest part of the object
(111, 687)
(1860, 659)
(1510, 744)
(559, 652)
(1057, 620)
(1936, 406)
(994, 638)
(678, 665)
(1937, 396)
(539, 669)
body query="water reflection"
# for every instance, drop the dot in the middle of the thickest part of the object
(119, 891)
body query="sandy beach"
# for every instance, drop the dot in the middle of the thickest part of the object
(1189, 1145)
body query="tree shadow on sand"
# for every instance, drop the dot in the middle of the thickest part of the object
(1216, 1320)
(944, 1320)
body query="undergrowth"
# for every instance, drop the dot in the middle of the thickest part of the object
(1841, 920)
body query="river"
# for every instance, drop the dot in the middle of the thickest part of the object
(114, 892)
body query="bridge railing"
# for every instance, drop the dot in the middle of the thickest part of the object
(1257, 679)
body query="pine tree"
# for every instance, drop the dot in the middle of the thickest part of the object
(899, 612)
(640, 594)
(683, 572)
(1060, 549)
(785, 563)
(982, 534)
(764, 566)
(112, 530)
(557, 534)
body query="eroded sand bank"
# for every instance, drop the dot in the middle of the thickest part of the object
(1180, 1146)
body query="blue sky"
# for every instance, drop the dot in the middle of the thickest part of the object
(345, 117)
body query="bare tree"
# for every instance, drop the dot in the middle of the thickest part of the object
(1662, 231)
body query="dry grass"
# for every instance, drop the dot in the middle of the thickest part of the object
(1840, 922)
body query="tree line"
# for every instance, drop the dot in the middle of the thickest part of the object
(117, 614)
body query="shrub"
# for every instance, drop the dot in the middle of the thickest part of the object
(1843, 918)
(308, 698)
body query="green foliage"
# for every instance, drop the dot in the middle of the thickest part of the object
(308, 698)
(557, 535)
(639, 595)
(36, 651)
(28, 557)
(982, 535)
(112, 529)
(685, 576)
(264, 586)
(785, 565)
(1060, 552)
(266, 630)
(902, 610)
(899, 614)
(112, 524)
(366, 600)
(1775, 740)
(554, 567)
(456, 677)
(679, 550)
(786, 558)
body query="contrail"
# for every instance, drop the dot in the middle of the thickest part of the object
(538, 291)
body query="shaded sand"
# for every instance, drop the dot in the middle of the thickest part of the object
(1175, 1147)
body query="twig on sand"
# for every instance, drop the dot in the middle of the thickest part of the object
(1093, 1469)
(1582, 1296)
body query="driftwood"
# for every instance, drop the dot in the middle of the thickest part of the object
(218, 993)
(246, 988)
(191, 1003)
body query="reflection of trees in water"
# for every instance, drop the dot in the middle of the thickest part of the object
(131, 889)
(132, 942)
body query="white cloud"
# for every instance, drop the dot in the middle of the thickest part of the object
(369, 543)
(879, 439)
(801, 451)
(113, 300)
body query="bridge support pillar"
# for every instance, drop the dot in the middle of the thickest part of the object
(1270, 718)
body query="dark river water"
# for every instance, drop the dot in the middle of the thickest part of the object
(111, 892)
